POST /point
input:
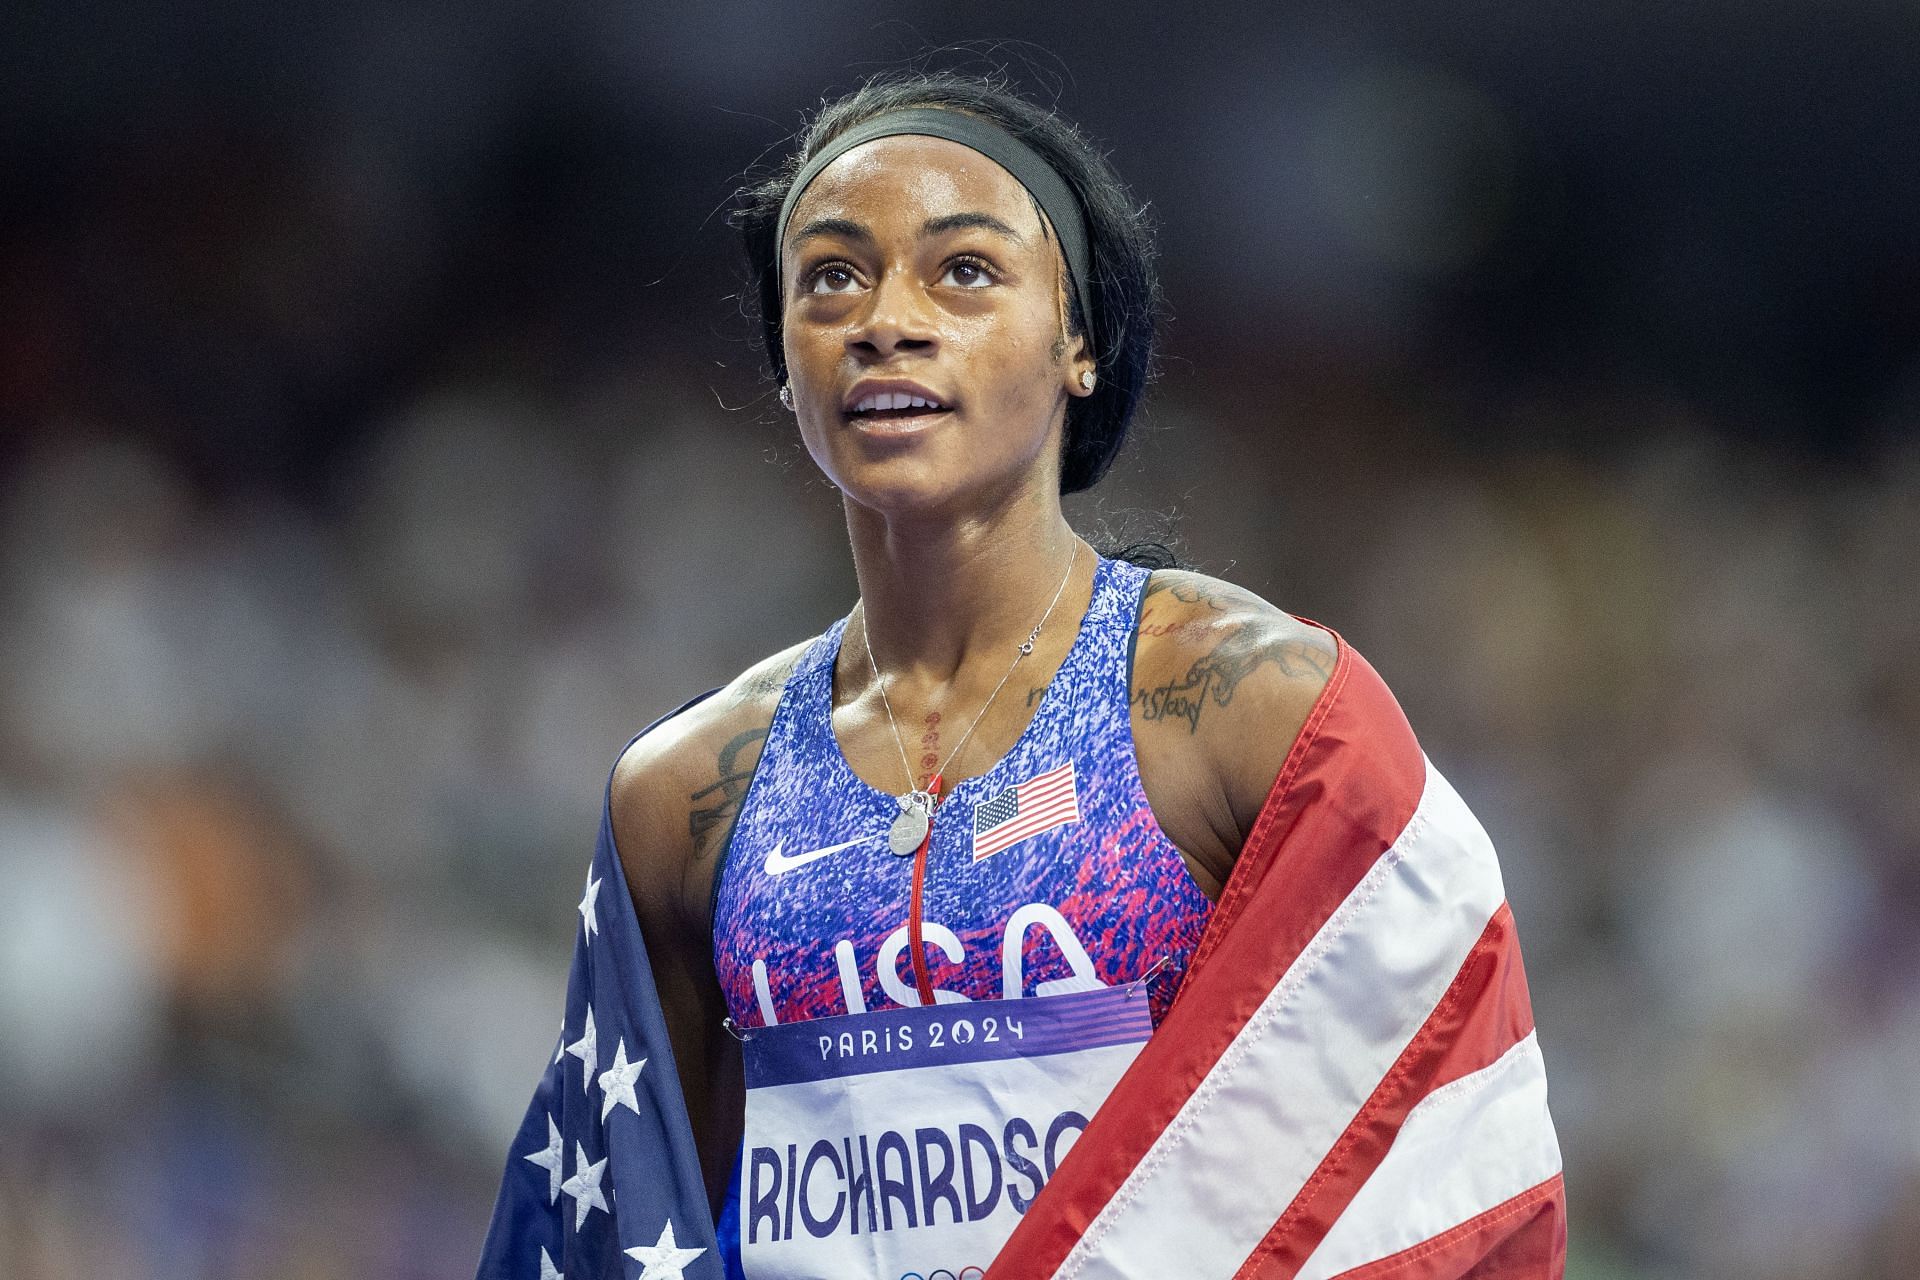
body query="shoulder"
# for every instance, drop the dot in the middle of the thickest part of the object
(1192, 609)
(677, 787)
(1224, 681)
(1210, 642)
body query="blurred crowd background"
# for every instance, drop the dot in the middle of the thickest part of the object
(382, 443)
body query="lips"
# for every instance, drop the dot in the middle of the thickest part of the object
(897, 425)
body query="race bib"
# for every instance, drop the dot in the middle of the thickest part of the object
(908, 1142)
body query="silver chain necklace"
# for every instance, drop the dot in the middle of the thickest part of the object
(909, 829)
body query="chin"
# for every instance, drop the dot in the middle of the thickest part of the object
(897, 490)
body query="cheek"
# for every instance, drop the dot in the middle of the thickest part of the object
(797, 351)
(1016, 366)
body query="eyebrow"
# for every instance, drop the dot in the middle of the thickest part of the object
(848, 229)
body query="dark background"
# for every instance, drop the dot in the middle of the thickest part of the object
(382, 442)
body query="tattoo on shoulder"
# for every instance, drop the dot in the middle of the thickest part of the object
(765, 683)
(1191, 589)
(714, 805)
(1215, 677)
(1187, 588)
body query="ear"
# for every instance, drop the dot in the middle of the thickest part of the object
(1080, 368)
(1069, 353)
(1074, 359)
(1088, 380)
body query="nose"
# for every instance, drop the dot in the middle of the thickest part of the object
(897, 318)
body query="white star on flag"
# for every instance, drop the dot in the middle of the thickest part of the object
(616, 1083)
(584, 1186)
(547, 1270)
(587, 1049)
(551, 1159)
(589, 918)
(560, 1049)
(665, 1258)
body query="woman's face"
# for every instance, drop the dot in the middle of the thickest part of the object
(917, 266)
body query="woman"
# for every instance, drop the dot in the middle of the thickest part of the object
(1001, 798)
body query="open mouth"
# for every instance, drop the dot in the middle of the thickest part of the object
(893, 407)
(896, 411)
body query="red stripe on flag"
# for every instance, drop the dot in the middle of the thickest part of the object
(1484, 1013)
(1050, 791)
(1345, 792)
(1523, 1239)
(1062, 770)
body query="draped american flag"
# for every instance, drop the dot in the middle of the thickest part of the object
(602, 1179)
(1347, 1087)
(1348, 1084)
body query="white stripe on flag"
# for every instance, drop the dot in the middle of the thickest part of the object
(1291, 1082)
(1469, 1146)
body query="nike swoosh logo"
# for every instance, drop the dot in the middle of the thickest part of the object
(778, 862)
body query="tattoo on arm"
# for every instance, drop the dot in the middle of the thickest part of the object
(715, 804)
(1214, 677)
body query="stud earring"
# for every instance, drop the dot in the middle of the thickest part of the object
(786, 396)
(1086, 380)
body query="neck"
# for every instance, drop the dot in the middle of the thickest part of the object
(937, 597)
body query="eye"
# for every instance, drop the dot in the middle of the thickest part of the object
(838, 277)
(970, 273)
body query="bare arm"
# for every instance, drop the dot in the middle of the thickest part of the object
(1222, 684)
(676, 793)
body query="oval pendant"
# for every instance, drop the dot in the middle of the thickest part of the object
(908, 830)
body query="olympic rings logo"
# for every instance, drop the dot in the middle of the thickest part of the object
(941, 1273)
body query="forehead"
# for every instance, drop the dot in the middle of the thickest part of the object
(913, 176)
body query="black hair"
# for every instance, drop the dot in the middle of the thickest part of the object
(1124, 288)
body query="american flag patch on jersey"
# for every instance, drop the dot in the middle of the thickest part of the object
(1041, 803)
